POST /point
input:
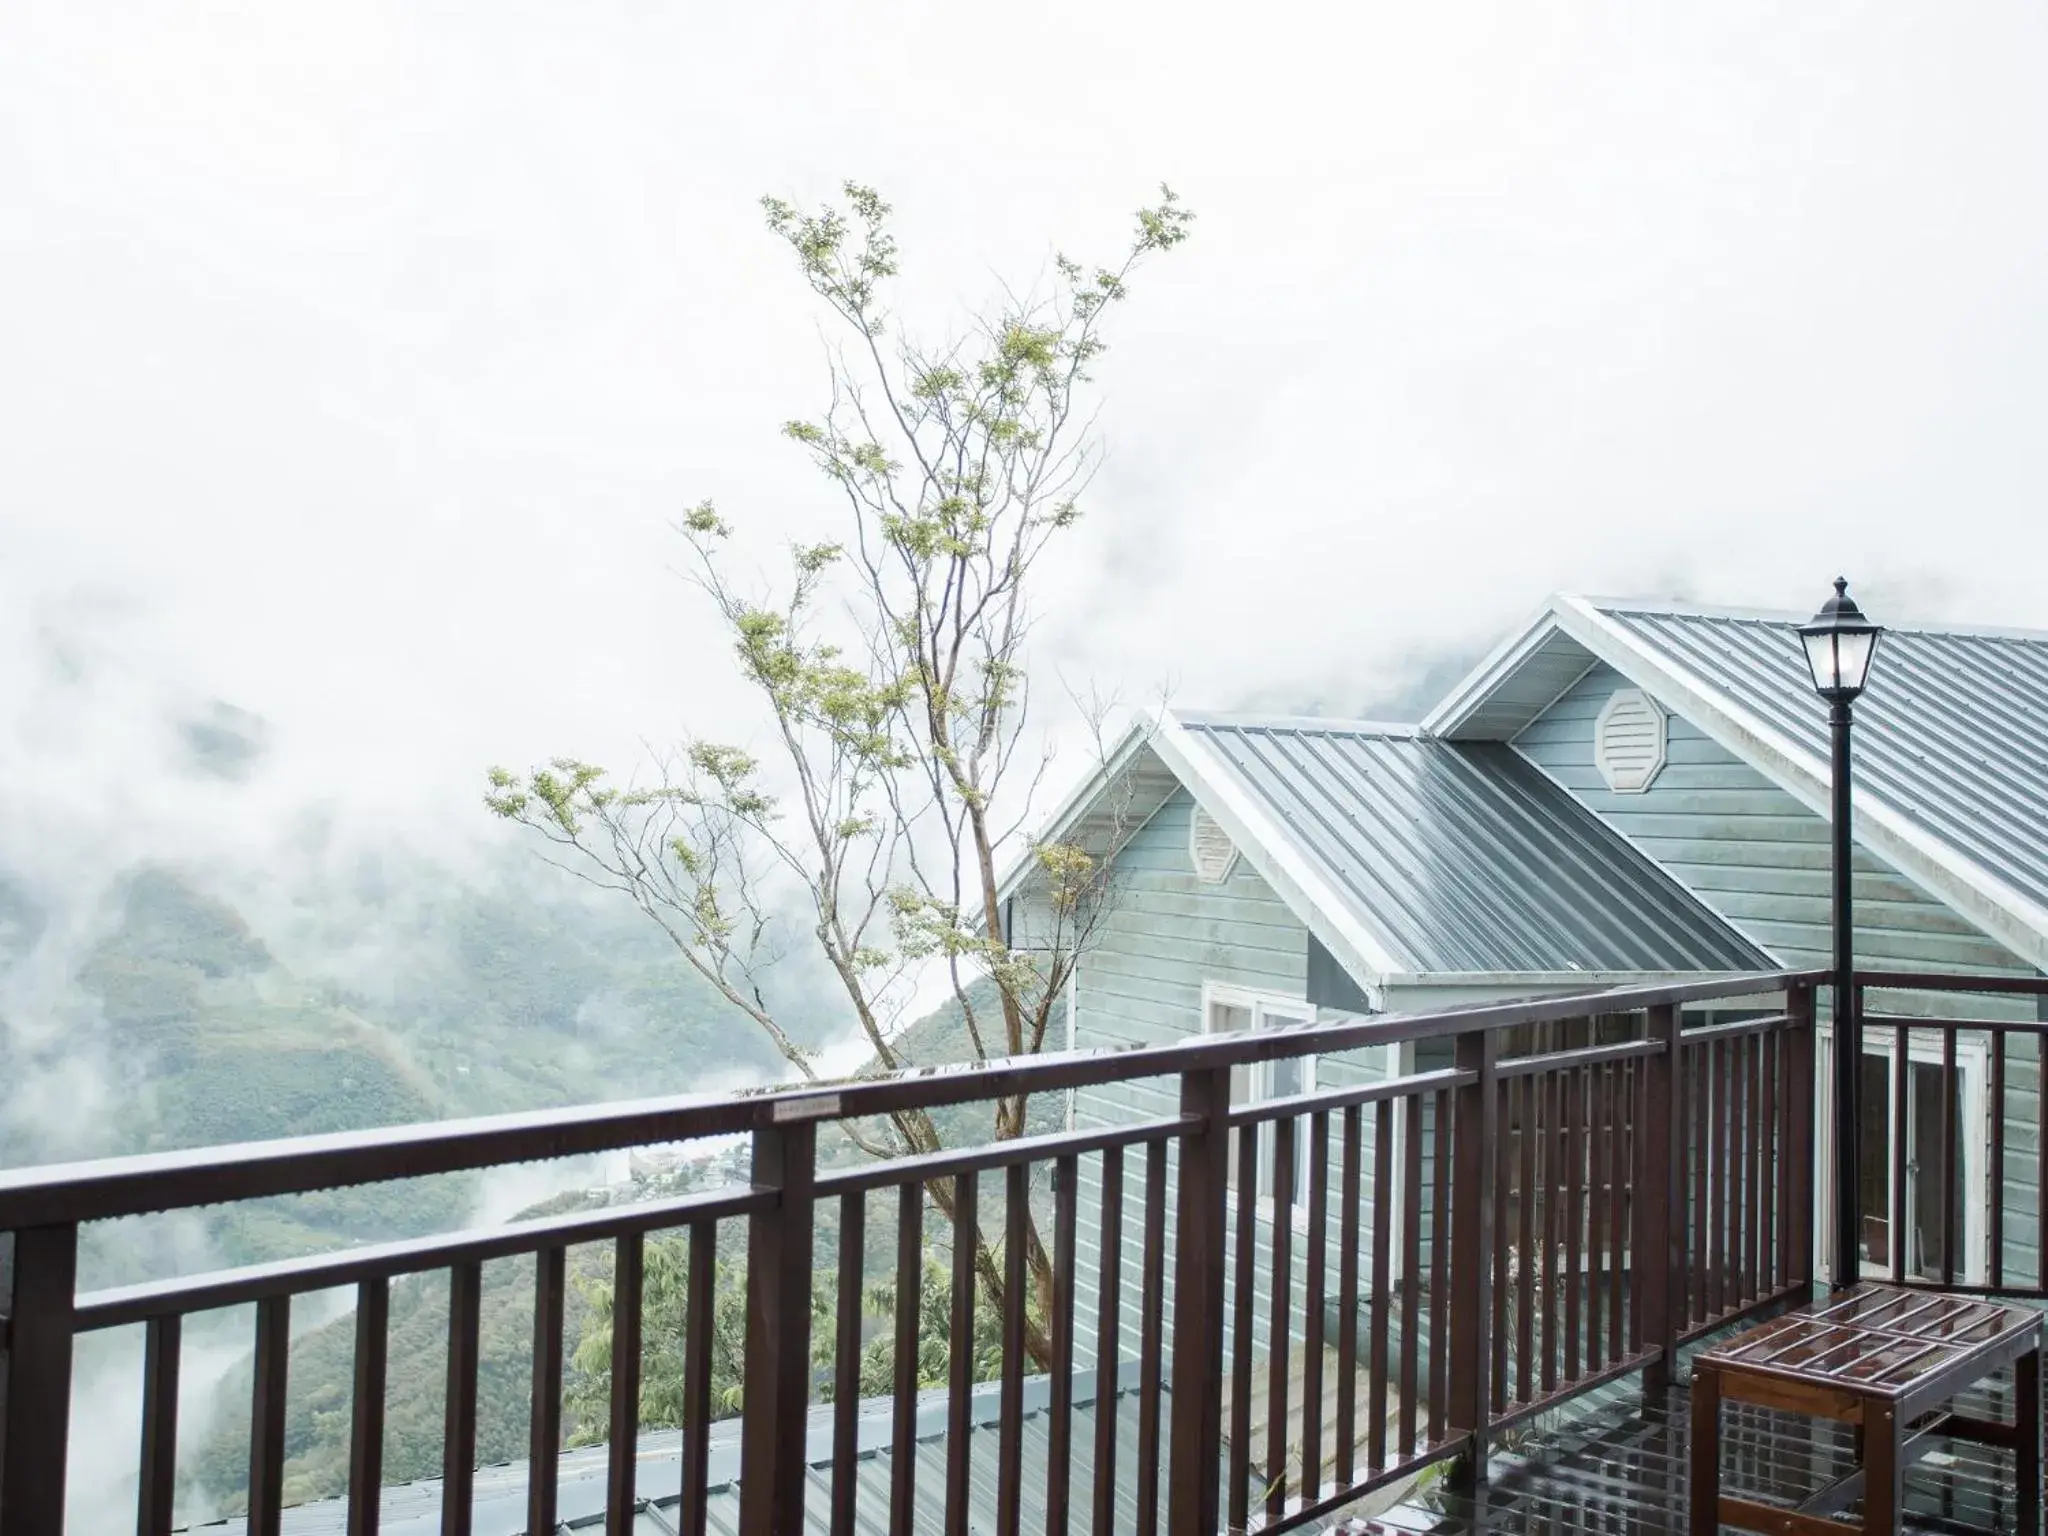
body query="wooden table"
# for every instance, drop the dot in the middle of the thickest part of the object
(1884, 1360)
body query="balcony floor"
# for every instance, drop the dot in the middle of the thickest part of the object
(1616, 1463)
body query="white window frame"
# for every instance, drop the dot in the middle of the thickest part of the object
(1268, 1010)
(1923, 1048)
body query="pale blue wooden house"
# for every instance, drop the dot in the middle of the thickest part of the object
(1951, 831)
(1620, 792)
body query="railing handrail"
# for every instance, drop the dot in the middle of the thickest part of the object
(121, 1306)
(109, 1188)
(1951, 981)
(1955, 1026)
(127, 1305)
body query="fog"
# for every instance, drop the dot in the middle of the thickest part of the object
(360, 357)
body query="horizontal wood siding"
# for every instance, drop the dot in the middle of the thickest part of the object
(1750, 850)
(1762, 860)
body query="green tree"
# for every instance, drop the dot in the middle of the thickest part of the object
(890, 672)
(934, 1336)
(664, 1313)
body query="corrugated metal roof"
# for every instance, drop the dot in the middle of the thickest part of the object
(498, 1506)
(1952, 733)
(1464, 857)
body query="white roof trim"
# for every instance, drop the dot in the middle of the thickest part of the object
(1073, 806)
(1551, 978)
(1465, 699)
(1317, 723)
(1787, 616)
(1273, 854)
(1996, 908)
(1471, 692)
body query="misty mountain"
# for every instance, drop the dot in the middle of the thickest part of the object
(181, 1023)
(223, 742)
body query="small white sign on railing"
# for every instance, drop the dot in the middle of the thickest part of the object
(815, 1106)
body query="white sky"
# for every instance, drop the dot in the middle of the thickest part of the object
(355, 357)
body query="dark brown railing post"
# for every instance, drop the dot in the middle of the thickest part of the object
(778, 1357)
(1659, 1199)
(1475, 1129)
(1192, 1505)
(38, 1286)
(1798, 1170)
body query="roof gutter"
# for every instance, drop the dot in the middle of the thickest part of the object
(1554, 979)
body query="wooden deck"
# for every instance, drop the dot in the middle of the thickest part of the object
(1615, 1464)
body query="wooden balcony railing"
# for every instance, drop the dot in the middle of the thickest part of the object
(1583, 1183)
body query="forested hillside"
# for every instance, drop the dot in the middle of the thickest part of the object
(322, 1361)
(177, 1024)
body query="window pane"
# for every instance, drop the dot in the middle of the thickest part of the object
(1925, 1151)
(1298, 1195)
(1876, 1153)
(1289, 1076)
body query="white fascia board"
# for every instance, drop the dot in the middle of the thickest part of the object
(1434, 994)
(1551, 980)
(1274, 855)
(1074, 806)
(1467, 696)
(1981, 898)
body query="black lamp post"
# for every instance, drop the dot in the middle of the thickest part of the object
(1840, 643)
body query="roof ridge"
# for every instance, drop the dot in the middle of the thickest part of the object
(1650, 607)
(1328, 725)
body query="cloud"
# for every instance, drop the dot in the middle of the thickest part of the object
(376, 350)
(359, 362)
(360, 357)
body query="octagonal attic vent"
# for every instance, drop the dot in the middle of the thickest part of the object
(1210, 848)
(1629, 741)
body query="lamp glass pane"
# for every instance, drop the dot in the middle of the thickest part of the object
(1852, 652)
(1820, 657)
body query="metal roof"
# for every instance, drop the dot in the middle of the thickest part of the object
(1952, 733)
(1461, 857)
(498, 1506)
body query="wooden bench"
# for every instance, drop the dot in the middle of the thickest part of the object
(1887, 1361)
